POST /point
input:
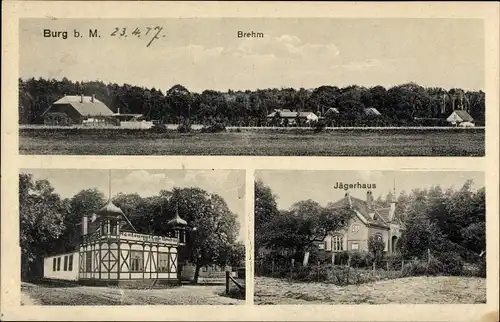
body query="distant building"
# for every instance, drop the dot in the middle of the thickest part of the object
(291, 117)
(74, 109)
(381, 223)
(332, 111)
(371, 111)
(459, 116)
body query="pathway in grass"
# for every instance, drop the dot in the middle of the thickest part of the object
(411, 290)
(85, 295)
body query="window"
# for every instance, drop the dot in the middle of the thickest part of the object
(163, 262)
(58, 263)
(114, 228)
(70, 263)
(322, 246)
(136, 261)
(337, 243)
(354, 246)
(65, 263)
(105, 227)
(88, 261)
(54, 264)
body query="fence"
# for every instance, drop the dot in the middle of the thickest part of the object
(352, 272)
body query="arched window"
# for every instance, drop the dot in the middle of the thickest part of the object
(337, 243)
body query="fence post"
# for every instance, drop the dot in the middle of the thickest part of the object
(291, 268)
(428, 262)
(402, 264)
(318, 271)
(348, 268)
(227, 282)
(373, 269)
(387, 265)
(272, 268)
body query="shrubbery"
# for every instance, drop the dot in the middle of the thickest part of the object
(452, 264)
(184, 127)
(214, 128)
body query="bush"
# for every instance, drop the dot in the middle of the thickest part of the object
(361, 259)
(184, 127)
(482, 267)
(452, 263)
(214, 128)
(414, 268)
(319, 126)
(159, 128)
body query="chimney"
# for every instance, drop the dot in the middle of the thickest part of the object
(81, 98)
(84, 225)
(369, 199)
(93, 98)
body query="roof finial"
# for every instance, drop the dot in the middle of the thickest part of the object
(109, 186)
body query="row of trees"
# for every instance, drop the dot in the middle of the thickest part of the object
(435, 220)
(50, 224)
(399, 105)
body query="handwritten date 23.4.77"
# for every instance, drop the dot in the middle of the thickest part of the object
(151, 33)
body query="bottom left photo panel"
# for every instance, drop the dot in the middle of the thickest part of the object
(132, 237)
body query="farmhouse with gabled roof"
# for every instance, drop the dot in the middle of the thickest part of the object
(75, 109)
(459, 116)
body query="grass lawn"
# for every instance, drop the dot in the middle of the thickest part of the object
(256, 143)
(37, 294)
(410, 290)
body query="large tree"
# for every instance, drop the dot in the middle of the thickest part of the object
(216, 226)
(41, 222)
(294, 232)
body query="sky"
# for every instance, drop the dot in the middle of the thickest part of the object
(291, 186)
(229, 184)
(205, 53)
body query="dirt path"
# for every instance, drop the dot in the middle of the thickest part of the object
(85, 295)
(413, 290)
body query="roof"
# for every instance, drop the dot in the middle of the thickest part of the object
(332, 110)
(110, 209)
(177, 220)
(463, 115)
(285, 114)
(87, 107)
(372, 111)
(381, 215)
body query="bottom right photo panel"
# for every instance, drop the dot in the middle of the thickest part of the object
(369, 237)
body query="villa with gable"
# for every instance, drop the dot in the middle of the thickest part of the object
(382, 223)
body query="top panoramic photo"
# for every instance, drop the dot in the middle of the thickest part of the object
(252, 86)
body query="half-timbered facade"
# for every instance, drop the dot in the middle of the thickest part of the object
(111, 251)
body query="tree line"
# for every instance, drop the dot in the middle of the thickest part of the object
(50, 224)
(447, 223)
(406, 104)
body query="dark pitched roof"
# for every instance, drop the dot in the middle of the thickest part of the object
(463, 115)
(362, 207)
(85, 108)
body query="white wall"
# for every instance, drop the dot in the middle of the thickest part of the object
(61, 274)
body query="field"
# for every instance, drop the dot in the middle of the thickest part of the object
(37, 294)
(256, 142)
(411, 290)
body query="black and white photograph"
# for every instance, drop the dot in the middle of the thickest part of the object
(132, 237)
(252, 86)
(369, 237)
